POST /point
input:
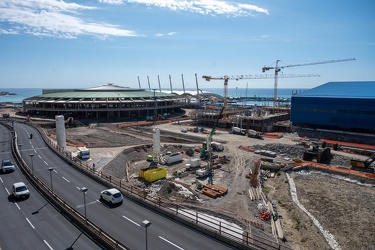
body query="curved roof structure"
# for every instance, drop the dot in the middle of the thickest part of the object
(100, 92)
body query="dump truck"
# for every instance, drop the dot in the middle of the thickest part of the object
(254, 134)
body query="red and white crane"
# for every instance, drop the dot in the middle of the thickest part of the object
(277, 68)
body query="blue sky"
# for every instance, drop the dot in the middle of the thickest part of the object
(87, 43)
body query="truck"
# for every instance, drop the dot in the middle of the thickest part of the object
(83, 153)
(194, 162)
(173, 158)
(238, 131)
(254, 134)
(216, 146)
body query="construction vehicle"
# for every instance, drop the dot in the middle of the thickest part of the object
(254, 134)
(238, 131)
(278, 68)
(362, 164)
(226, 78)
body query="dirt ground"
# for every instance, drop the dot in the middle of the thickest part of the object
(343, 208)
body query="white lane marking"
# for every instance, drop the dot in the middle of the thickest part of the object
(131, 221)
(66, 179)
(171, 243)
(40, 157)
(55, 171)
(48, 245)
(35, 151)
(79, 206)
(7, 191)
(30, 223)
(1, 179)
(17, 206)
(46, 163)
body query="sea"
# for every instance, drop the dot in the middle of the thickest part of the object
(18, 94)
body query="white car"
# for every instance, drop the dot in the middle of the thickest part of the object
(7, 166)
(112, 196)
(20, 190)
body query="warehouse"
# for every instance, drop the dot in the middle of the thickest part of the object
(104, 102)
(345, 106)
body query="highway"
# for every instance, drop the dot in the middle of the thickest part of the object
(122, 222)
(32, 223)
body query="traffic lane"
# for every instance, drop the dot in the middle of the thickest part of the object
(34, 222)
(41, 217)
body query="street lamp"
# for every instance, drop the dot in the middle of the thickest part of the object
(84, 190)
(32, 163)
(146, 224)
(50, 169)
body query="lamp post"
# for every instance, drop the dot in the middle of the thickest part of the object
(146, 224)
(32, 163)
(84, 190)
(50, 169)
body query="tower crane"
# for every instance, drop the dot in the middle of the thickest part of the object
(226, 78)
(277, 68)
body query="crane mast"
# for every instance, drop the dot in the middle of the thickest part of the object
(278, 68)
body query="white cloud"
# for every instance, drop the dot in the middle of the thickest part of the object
(206, 7)
(168, 34)
(53, 18)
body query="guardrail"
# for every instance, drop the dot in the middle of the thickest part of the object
(217, 229)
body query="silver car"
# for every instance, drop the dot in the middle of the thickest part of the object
(7, 166)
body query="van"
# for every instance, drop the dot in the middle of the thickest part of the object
(20, 190)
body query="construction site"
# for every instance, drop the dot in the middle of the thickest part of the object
(249, 180)
(303, 187)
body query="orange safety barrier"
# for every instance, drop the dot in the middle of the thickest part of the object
(335, 169)
(272, 135)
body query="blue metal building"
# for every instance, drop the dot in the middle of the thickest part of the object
(336, 105)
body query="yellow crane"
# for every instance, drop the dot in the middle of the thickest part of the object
(226, 78)
(278, 68)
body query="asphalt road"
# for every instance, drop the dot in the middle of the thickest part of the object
(32, 223)
(122, 222)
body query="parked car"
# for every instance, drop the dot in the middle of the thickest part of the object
(184, 130)
(112, 196)
(7, 166)
(20, 190)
